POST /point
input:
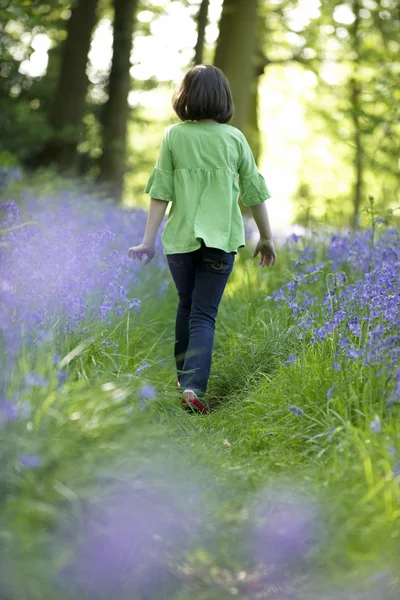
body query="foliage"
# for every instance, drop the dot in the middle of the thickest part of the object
(289, 487)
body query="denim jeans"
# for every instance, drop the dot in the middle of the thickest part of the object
(200, 278)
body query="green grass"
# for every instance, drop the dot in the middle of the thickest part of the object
(94, 435)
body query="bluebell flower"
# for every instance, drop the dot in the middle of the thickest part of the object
(34, 380)
(61, 378)
(290, 360)
(336, 366)
(330, 392)
(30, 461)
(141, 367)
(376, 425)
(296, 410)
(8, 411)
(147, 392)
(135, 303)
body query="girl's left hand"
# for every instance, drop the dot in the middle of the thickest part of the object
(138, 251)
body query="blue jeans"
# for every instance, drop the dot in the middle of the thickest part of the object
(200, 278)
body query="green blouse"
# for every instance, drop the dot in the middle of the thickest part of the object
(202, 168)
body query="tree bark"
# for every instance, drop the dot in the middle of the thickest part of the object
(116, 110)
(253, 127)
(355, 99)
(235, 52)
(69, 102)
(202, 20)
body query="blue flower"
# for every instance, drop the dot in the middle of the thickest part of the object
(396, 470)
(35, 380)
(61, 378)
(336, 366)
(135, 303)
(8, 411)
(291, 358)
(330, 392)
(143, 366)
(296, 410)
(147, 392)
(30, 461)
(376, 425)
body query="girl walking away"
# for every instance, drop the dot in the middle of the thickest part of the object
(203, 166)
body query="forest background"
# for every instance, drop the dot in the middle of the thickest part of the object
(86, 90)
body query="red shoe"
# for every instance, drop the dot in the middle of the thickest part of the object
(190, 400)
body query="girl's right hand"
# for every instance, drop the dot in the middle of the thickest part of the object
(267, 251)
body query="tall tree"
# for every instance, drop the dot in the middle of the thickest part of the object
(69, 102)
(356, 106)
(116, 110)
(235, 52)
(201, 20)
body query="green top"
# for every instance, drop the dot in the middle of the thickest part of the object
(202, 168)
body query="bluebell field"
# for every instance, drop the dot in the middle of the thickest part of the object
(65, 278)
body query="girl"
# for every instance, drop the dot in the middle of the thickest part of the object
(203, 166)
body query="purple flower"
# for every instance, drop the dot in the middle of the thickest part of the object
(126, 538)
(147, 392)
(8, 411)
(135, 303)
(35, 380)
(290, 360)
(330, 392)
(143, 366)
(376, 425)
(284, 528)
(336, 366)
(30, 461)
(296, 410)
(61, 378)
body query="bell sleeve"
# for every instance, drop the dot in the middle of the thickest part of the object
(253, 189)
(161, 182)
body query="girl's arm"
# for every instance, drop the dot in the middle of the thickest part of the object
(265, 246)
(154, 219)
(260, 215)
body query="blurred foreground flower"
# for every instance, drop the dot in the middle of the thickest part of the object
(285, 527)
(376, 425)
(125, 541)
(30, 461)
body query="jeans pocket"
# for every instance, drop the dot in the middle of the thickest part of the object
(218, 260)
(175, 261)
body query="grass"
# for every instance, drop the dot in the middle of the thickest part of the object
(196, 484)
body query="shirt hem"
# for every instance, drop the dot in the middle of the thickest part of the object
(187, 249)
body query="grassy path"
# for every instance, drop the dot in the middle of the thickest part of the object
(282, 491)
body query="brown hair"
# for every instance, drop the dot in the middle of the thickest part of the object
(204, 94)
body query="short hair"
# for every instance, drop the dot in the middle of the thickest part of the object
(204, 94)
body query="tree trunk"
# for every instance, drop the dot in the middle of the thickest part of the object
(202, 20)
(235, 52)
(355, 100)
(253, 128)
(69, 103)
(116, 110)
(358, 155)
